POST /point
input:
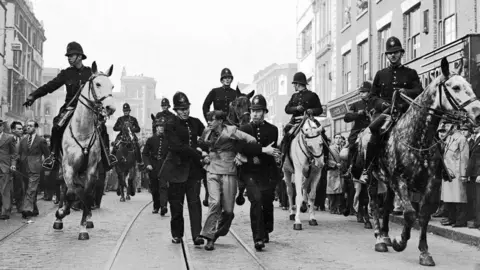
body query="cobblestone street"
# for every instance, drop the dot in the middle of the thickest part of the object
(337, 243)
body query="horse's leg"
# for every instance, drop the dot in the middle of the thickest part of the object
(312, 195)
(380, 245)
(387, 209)
(121, 186)
(69, 198)
(409, 215)
(129, 184)
(428, 206)
(299, 199)
(363, 207)
(90, 186)
(289, 187)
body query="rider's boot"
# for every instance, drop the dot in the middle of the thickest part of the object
(138, 155)
(49, 162)
(370, 156)
(111, 158)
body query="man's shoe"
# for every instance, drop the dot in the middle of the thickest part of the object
(259, 245)
(155, 211)
(210, 245)
(198, 241)
(266, 239)
(176, 240)
(163, 211)
(113, 160)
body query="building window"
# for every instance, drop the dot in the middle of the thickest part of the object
(447, 22)
(362, 5)
(347, 72)
(325, 25)
(413, 33)
(383, 35)
(347, 8)
(17, 56)
(306, 40)
(363, 62)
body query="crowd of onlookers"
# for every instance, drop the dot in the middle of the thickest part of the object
(21, 174)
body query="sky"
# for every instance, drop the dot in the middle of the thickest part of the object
(184, 45)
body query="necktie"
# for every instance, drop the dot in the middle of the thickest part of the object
(29, 141)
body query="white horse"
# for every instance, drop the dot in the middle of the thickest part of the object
(81, 146)
(306, 156)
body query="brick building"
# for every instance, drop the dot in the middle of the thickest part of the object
(428, 30)
(24, 38)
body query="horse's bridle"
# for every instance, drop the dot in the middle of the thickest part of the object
(305, 136)
(458, 116)
(94, 105)
(231, 106)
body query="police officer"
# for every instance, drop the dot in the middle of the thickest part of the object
(183, 169)
(154, 154)
(260, 174)
(165, 112)
(221, 96)
(386, 82)
(127, 121)
(73, 78)
(302, 101)
(358, 113)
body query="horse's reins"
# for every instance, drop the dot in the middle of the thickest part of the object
(306, 152)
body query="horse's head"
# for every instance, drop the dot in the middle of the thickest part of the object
(455, 95)
(101, 89)
(239, 111)
(313, 140)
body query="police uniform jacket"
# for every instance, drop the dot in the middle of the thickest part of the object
(266, 174)
(155, 151)
(183, 161)
(391, 78)
(360, 120)
(221, 98)
(135, 128)
(71, 77)
(306, 98)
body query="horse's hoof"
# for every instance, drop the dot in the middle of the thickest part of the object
(240, 200)
(346, 212)
(284, 208)
(58, 225)
(368, 225)
(128, 198)
(83, 236)
(399, 246)
(304, 207)
(313, 222)
(426, 259)
(118, 192)
(122, 199)
(90, 224)
(205, 203)
(387, 241)
(297, 227)
(292, 216)
(381, 247)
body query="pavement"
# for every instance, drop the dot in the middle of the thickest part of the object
(125, 237)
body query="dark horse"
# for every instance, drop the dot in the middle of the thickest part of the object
(405, 161)
(125, 167)
(238, 114)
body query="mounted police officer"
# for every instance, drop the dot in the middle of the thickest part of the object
(358, 113)
(386, 82)
(165, 104)
(221, 96)
(127, 122)
(260, 174)
(73, 78)
(183, 169)
(302, 101)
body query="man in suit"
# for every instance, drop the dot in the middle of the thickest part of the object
(154, 154)
(18, 180)
(260, 173)
(8, 162)
(183, 169)
(32, 148)
(473, 171)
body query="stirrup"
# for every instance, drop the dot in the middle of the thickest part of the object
(49, 162)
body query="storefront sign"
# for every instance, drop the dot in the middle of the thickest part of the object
(338, 110)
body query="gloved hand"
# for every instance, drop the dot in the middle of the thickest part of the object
(29, 101)
(309, 111)
(300, 108)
